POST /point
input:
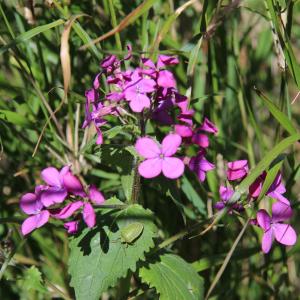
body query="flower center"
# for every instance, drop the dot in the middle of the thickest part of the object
(161, 156)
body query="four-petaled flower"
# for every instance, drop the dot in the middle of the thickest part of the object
(274, 228)
(159, 157)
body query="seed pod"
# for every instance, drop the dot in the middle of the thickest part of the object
(131, 232)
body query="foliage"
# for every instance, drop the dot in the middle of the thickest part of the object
(238, 66)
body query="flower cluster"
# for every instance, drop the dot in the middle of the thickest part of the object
(150, 91)
(281, 210)
(47, 199)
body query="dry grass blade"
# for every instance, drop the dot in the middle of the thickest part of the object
(227, 259)
(65, 53)
(124, 23)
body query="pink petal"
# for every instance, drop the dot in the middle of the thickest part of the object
(150, 168)
(170, 144)
(166, 79)
(285, 234)
(279, 197)
(67, 211)
(147, 147)
(172, 167)
(236, 174)
(96, 196)
(209, 126)
(200, 139)
(53, 196)
(148, 63)
(263, 219)
(73, 185)
(72, 227)
(225, 193)
(89, 216)
(165, 60)
(34, 222)
(139, 102)
(30, 204)
(267, 240)
(183, 130)
(147, 85)
(281, 212)
(238, 164)
(51, 176)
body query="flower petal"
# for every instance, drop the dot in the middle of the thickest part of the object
(89, 216)
(73, 185)
(183, 130)
(150, 168)
(95, 195)
(209, 126)
(281, 212)
(201, 140)
(30, 204)
(67, 211)
(34, 222)
(263, 219)
(139, 102)
(53, 195)
(267, 240)
(170, 144)
(166, 79)
(285, 234)
(72, 227)
(172, 167)
(51, 176)
(147, 147)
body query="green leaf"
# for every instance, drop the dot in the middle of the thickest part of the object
(14, 118)
(30, 34)
(192, 195)
(98, 258)
(32, 280)
(284, 121)
(173, 278)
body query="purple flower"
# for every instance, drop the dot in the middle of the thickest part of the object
(136, 92)
(31, 205)
(200, 165)
(274, 228)
(200, 139)
(277, 189)
(183, 130)
(208, 126)
(159, 157)
(237, 169)
(256, 186)
(56, 191)
(72, 226)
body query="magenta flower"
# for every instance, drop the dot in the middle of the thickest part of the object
(88, 213)
(200, 139)
(237, 169)
(277, 189)
(72, 226)
(183, 130)
(136, 92)
(200, 165)
(159, 157)
(274, 228)
(56, 191)
(31, 205)
(209, 126)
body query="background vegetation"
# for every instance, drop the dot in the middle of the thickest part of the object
(229, 51)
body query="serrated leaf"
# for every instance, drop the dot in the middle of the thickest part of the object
(98, 258)
(173, 278)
